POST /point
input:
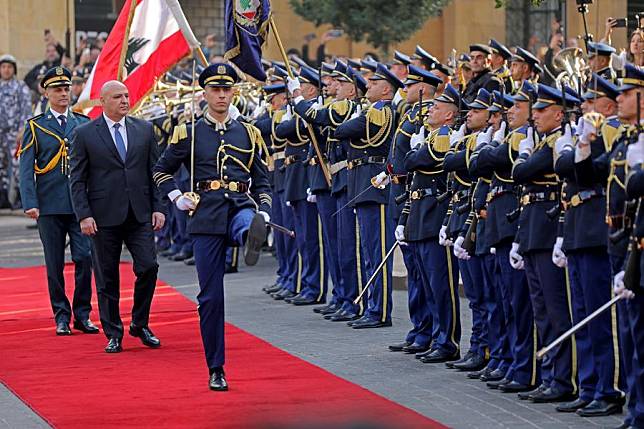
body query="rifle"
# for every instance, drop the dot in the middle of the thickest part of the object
(402, 198)
(554, 211)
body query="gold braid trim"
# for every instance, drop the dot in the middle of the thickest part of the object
(60, 155)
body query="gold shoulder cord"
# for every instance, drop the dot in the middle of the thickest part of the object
(61, 155)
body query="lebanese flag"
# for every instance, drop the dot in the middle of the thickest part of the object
(158, 36)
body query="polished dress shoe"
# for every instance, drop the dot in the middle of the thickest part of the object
(337, 312)
(495, 384)
(189, 261)
(359, 319)
(415, 348)
(496, 375)
(476, 375)
(301, 300)
(114, 345)
(181, 256)
(474, 363)
(146, 336)
(370, 323)
(283, 295)
(515, 387)
(86, 326)
(342, 316)
(217, 380)
(272, 288)
(552, 395)
(571, 407)
(62, 328)
(399, 346)
(291, 298)
(526, 396)
(326, 309)
(424, 354)
(439, 356)
(168, 252)
(230, 269)
(255, 239)
(601, 407)
(468, 355)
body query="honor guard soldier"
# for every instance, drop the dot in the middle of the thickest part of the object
(499, 64)
(399, 67)
(458, 160)
(482, 76)
(45, 193)
(421, 85)
(514, 357)
(611, 169)
(227, 171)
(538, 227)
(419, 226)
(582, 249)
(348, 281)
(524, 66)
(371, 134)
(599, 60)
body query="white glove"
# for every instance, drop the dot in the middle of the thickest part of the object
(292, 84)
(585, 131)
(266, 216)
(618, 61)
(184, 203)
(564, 143)
(457, 136)
(635, 152)
(499, 135)
(484, 137)
(417, 138)
(233, 111)
(493, 250)
(288, 203)
(527, 144)
(619, 288)
(357, 112)
(311, 198)
(516, 260)
(442, 237)
(397, 98)
(260, 109)
(459, 252)
(558, 256)
(381, 180)
(400, 233)
(316, 105)
(288, 115)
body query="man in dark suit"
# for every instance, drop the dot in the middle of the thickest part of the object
(117, 202)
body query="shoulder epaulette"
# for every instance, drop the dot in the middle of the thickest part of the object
(440, 140)
(180, 132)
(515, 137)
(33, 118)
(377, 116)
(82, 115)
(340, 107)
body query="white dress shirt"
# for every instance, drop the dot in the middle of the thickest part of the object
(122, 130)
(58, 115)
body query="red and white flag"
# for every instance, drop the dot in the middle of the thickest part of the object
(147, 40)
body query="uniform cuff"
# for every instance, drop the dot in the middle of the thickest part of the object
(174, 194)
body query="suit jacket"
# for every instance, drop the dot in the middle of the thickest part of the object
(43, 178)
(102, 185)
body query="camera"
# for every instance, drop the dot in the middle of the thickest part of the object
(619, 23)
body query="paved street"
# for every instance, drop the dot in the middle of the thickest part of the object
(359, 356)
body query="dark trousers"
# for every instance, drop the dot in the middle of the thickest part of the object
(472, 276)
(210, 261)
(53, 230)
(496, 328)
(418, 301)
(635, 308)
(278, 241)
(590, 284)
(376, 238)
(352, 275)
(550, 297)
(292, 274)
(107, 245)
(310, 244)
(327, 205)
(521, 332)
(439, 272)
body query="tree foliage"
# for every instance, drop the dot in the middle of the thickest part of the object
(379, 22)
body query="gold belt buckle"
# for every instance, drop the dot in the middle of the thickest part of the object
(575, 200)
(215, 185)
(350, 165)
(312, 161)
(233, 186)
(415, 195)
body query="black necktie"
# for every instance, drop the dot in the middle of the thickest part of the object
(63, 121)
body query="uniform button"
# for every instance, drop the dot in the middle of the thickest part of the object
(225, 177)
(221, 132)
(65, 139)
(223, 141)
(224, 167)
(226, 195)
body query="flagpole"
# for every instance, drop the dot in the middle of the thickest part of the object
(126, 37)
(314, 140)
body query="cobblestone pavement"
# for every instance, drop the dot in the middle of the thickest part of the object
(359, 356)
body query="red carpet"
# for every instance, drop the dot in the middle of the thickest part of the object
(71, 382)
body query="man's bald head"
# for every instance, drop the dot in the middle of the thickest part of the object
(115, 100)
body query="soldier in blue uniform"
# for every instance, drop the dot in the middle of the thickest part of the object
(419, 338)
(419, 225)
(514, 357)
(581, 247)
(458, 160)
(499, 64)
(599, 60)
(370, 136)
(232, 186)
(297, 193)
(44, 189)
(348, 281)
(524, 66)
(549, 291)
